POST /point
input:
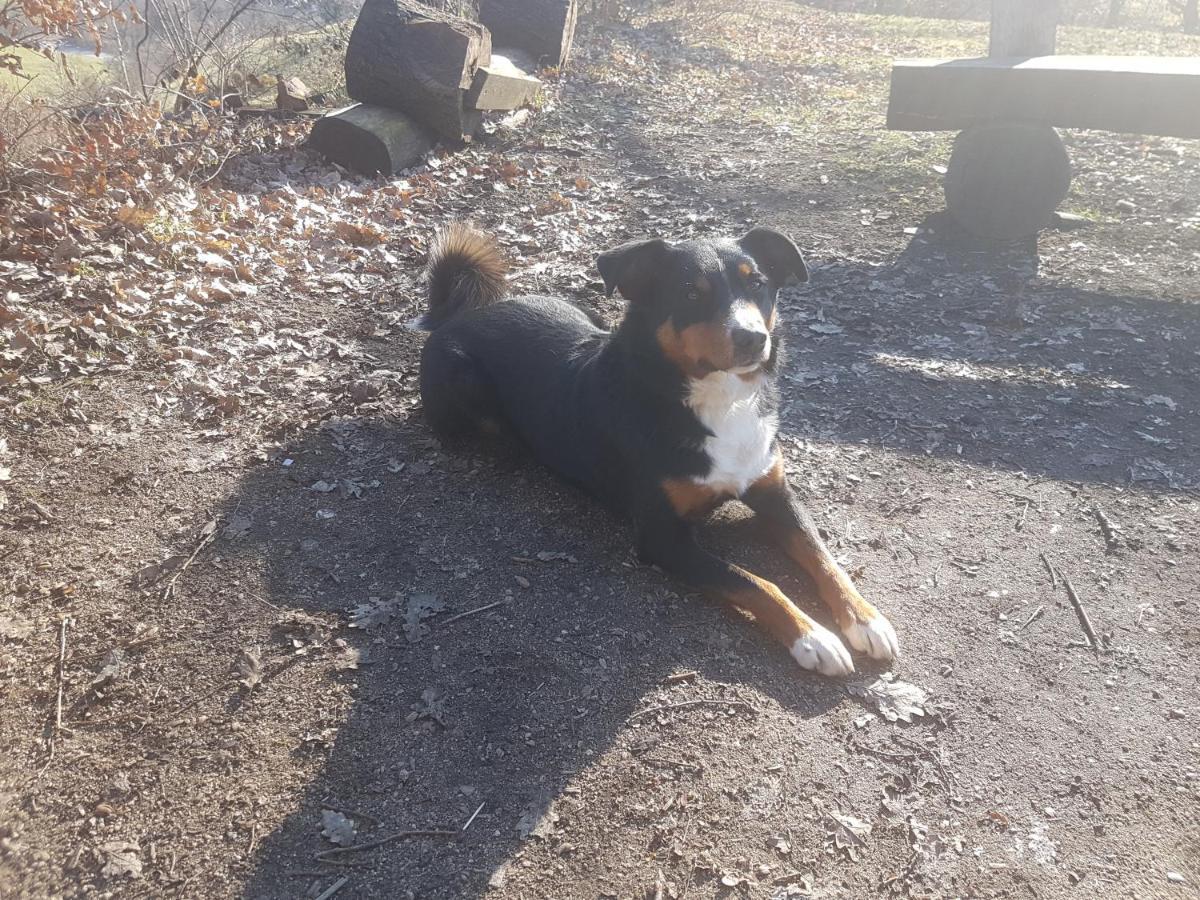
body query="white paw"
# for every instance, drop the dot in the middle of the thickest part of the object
(876, 637)
(821, 650)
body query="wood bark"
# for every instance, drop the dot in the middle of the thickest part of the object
(543, 28)
(370, 139)
(409, 57)
(1024, 27)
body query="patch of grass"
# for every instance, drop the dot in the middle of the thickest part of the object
(46, 76)
(315, 57)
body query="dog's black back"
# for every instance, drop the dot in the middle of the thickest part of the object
(605, 410)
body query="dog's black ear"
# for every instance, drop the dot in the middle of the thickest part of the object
(775, 254)
(631, 267)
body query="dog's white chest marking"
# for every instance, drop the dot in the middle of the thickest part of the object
(743, 436)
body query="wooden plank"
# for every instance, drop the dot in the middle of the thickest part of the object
(1138, 95)
(501, 85)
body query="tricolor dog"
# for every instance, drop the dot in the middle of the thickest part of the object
(664, 418)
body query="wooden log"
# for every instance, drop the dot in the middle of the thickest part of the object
(1005, 179)
(1023, 27)
(409, 57)
(501, 85)
(543, 28)
(370, 139)
(1134, 94)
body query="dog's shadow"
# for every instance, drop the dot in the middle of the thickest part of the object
(547, 645)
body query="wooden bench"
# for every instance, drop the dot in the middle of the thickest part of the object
(1009, 170)
(1135, 94)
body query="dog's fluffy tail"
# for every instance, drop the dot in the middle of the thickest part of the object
(466, 270)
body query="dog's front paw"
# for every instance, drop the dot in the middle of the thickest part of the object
(822, 651)
(874, 636)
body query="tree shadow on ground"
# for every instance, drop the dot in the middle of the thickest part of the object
(961, 350)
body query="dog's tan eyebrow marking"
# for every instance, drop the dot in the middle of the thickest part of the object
(744, 269)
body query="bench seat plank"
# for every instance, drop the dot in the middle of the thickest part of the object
(1134, 94)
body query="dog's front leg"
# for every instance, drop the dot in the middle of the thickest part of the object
(772, 498)
(667, 541)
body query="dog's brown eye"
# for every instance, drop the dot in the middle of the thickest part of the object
(756, 280)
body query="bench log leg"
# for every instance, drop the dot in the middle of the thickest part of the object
(1006, 179)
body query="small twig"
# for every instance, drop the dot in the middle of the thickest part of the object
(333, 888)
(62, 667)
(686, 703)
(478, 809)
(1037, 612)
(206, 538)
(391, 838)
(679, 763)
(264, 601)
(1051, 570)
(1111, 541)
(42, 511)
(1084, 620)
(1024, 513)
(471, 612)
(679, 676)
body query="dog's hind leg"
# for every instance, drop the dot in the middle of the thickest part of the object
(667, 541)
(459, 398)
(864, 626)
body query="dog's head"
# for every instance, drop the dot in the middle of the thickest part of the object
(709, 303)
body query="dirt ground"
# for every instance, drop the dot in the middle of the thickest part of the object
(306, 616)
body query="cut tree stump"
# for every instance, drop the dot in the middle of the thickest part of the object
(1005, 179)
(501, 85)
(543, 28)
(370, 139)
(410, 57)
(1024, 27)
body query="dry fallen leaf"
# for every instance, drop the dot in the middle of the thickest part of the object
(338, 828)
(895, 699)
(249, 667)
(374, 612)
(420, 606)
(15, 628)
(120, 859)
(847, 834)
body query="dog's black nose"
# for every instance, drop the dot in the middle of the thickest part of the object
(747, 342)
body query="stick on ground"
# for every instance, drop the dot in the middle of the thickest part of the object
(207, 535)
(1081, 613)
(334, 888)
(1111, 541)
(472, 612)
(62, 665)
(398, 836)
(654, 709)
(1051, 571)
